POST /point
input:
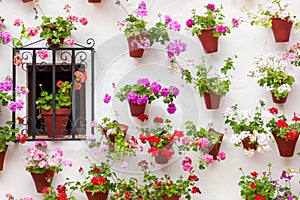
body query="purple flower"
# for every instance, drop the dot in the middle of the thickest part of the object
(107, 98)
(211, 7)
(165, 92)
(144, 81)
(285, 175)
(142, 10)
(174, 25)
(174, 90)
(16, 105)
(6, 36)
(155, 87)
(168, 19)
(132, 97)
(175, 48)
(171, 108)
(221, 29)
(189, 23)
(142, 100)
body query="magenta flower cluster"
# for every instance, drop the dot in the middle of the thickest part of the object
(6, 89)
(5, 35)
(175, 48)
(145, 91)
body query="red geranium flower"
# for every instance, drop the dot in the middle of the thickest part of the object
(153, 150)
(96, 170)
(253, 185)
(273, 110)
(296, 118)
(254, 174)
(143, 117)
(59, 83)
(20, 120)
(281, 124)
(196, 190)
(259, 197)
(153, 139)
(292, 135)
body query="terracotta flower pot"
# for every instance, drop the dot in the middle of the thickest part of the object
(247, 145)
(25, 1)
(281, 29)
(136, 109)
(208, 41)
(212, 100)
(216, 148)
(286, 147)
(2, 157)
(111, 147)
(42, 180)
(160, 158)
(61, 121)
(174, 197)
(278, 101)
(134, 50)
(96, 195)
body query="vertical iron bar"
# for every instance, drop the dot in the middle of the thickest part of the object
(73, 107)
(13, 114)
(53, 92)
(33, 129)
(92, 88)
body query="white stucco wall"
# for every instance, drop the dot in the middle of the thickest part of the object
(219, 181)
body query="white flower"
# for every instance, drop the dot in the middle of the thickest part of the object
(234, 139)
(245, 114)
(266, 116)
(228, 112)
(249, 153)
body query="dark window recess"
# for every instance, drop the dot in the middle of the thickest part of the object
(73, 125)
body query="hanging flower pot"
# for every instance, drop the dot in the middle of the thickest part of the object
(94, 1)
(212, 100)
(279, 101)
(137, 109)
(61, 121)
(42, 180)
(286, 147)
(135, 45)
(216, 148)
(174, 197)
(25, 1)
(2, 157)
(208, 41)
(96, 195)
(281, 29)
(111, 147)
(248, 145)
(160, 158)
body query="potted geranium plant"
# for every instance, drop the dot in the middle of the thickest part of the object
(168, 188)
(263, 186)
(113, 140)
(273, 14)
(271, 71)
(55, 31)
(161, 139)
(143, 92)
(63, 105)
(285, 133)
(210, 83)
(209, 26)
(249, 129)
(134, 27)
(42, 165)
(98, 181)
(62, 191)
(8, 99)
(205, 141)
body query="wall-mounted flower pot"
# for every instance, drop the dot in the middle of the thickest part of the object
(286, 147)
(278, 101)
(96, 195)
(25, 1)
(134, 50)
(208, 41)
(161, 158)
(137, 109)
(212, 100)
(94, 1)
(174, 197)
(61, 121)
(42, 180)
(247, 145)
(281, 29)
(216, 148)
(2, 158)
